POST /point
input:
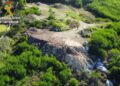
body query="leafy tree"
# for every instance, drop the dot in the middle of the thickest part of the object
(65, 75)
(94, 78)
(4, 79)
(73, 82)
(31, 64)
(78, 3)
(51, 15)
(113, 53)
(114, 67)
(102, 41)
(22, 2)
(6, 44)
(50, 78)
(115, 26)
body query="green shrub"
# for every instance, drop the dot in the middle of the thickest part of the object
(73, 23)
(106, 8)
(73, 15)
(101, 41)
(114, 26)
(32, 10)
(6, 44)
(55, 23)
(19, 69)
(73, 82)
(65, 75)
(60, 25)
(114, 68)
(37, 24)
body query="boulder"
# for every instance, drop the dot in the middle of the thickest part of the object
(66, 50)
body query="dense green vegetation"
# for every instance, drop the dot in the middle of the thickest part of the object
(29, 64)
(106, 8)
(105, 43)
(32, 10)
(23, 64)
(102, 41)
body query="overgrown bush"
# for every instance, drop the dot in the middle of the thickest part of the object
(106, 8)
(32, 10)
(102, 41)
(73, 23)
(114, 67)
(6, 44)
(73, 15)
(36, 23)
(30, 64)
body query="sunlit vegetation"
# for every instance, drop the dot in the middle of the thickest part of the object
(32, 10)
(115, 64)
(105, 43)
(73, 15)
(3, 28)
(55, 24)
(102, 41)
(106, 8)
(23, 64)
(28, 63)
(105, 39)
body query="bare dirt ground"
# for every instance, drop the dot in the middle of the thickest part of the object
(69, 38)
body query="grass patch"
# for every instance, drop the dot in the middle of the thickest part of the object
(3, 28)
(32, 10)
(73, 15)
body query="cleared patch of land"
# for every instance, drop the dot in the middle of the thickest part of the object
(70, 37)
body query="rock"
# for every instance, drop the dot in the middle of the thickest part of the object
(102, 69)
(66, 50)
(58, 6)
(109, 83)
(100, 66)
(38, 3)
(55, 29)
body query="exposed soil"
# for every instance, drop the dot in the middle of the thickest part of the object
(67, 45)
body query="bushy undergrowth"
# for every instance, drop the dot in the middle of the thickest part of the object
(106, 8)
(105, 43)
(29, 63)
(32, 10)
